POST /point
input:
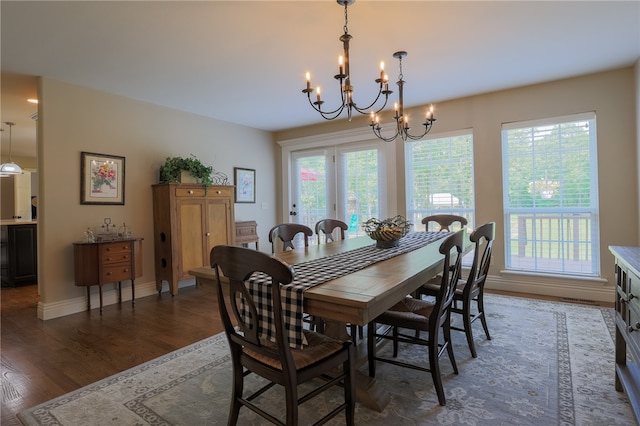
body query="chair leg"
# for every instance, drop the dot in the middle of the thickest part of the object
(468, 330)
(395, 342)
(434, 366)
(480, 302)
(446, 332)
(349, 390)
(371, 348)
(236, 394)
(318, 324)
(291, 399)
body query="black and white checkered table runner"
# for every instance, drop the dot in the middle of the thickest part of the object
(318, 271)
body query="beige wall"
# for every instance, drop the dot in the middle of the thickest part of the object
(612, 95)
(74, 119)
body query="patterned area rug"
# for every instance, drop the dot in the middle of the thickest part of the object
(547, 364)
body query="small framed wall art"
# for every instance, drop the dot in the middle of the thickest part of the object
(245, 185)
(101, 178)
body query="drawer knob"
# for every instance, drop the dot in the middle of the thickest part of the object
(218, 192)
(191, 191)
(208, 234)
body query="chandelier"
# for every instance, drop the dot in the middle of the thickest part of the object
(344, 78)
(347, 100)
(402, 120)
(10, 168)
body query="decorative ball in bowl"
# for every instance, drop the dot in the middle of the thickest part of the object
(387, 232)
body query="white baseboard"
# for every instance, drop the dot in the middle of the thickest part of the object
(109, 297)
(544, 286)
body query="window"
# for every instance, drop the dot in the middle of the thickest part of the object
(439, 177)
(551, 195)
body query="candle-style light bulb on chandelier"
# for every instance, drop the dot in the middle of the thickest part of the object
(402, 120)
(10, 168)
(347, 98)
(347, 101)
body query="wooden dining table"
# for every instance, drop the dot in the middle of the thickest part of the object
(359, 297)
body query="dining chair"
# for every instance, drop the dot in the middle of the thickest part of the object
(327, 226)
(433, 317)
(286, 232)
(471, 291)
(321, 358)
(444, 222)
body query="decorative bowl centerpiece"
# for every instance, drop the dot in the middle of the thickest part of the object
(387, 232)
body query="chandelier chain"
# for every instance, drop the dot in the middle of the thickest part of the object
(346, 18)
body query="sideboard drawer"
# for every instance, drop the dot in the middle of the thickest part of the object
(633, 285)
(190, 192)
(115, 252)
(116, 272)
(633, 329)
(200, 191)
(221, 191)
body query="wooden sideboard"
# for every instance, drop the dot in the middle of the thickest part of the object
(188, 221)
(246, 233)
(628, 323)
(107, 262)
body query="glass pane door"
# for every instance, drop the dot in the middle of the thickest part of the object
(311, 176)
(359, 192)
(351, 192)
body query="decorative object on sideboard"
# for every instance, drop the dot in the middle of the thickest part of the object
(387, 232)
(101, 178)
(348, 103)
(9, 168)
(171, 171)
(107, 231)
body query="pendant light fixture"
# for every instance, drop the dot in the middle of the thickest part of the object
(348, 103)
(402, 120)
(10, 168)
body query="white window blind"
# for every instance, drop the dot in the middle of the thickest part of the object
(439, 177)
(550, 195)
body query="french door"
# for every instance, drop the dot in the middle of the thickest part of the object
(343, 182)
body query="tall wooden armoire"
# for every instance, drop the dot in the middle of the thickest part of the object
(188, 221)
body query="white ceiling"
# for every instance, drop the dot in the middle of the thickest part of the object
(244, 62)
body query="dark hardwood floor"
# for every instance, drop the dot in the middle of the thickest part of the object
(45, 359)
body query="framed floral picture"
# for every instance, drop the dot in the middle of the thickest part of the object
(245, 185)
(101, 179)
